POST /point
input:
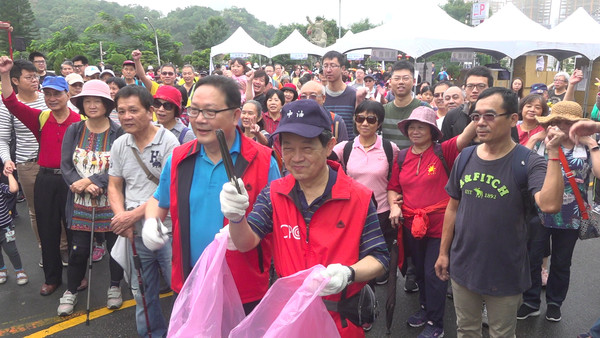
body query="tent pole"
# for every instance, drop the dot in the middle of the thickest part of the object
(512, 69)
(587, 87)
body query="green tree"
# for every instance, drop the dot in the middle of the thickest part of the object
(198, 59)
(285, 30)
(459, 10)
(20, 16)
(62, 45)
(362, 25)
(209, 34)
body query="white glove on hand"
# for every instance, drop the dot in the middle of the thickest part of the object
(152, 238)
(234, 204)
(225, 232)
(339, 275)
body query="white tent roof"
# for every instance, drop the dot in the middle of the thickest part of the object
(349, 36)
(239, 42)
(296, 43)
(578, 32)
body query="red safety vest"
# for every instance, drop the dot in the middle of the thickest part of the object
(333, 235)
(250, 270)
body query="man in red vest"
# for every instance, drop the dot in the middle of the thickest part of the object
(317, 215)
(189, 188)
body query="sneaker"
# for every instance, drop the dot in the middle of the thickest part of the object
(21, 197)
(431, 331)
(115, 300)
(41, 263)
(410, 285)
(485, 321)
(418, 319)
(544, 277)
(98, 252)
(22, 278)
(527, 311)
(67, 303)
(64, 257)
(367, 327)
(553, 313)
(382, 280)
(3, 275)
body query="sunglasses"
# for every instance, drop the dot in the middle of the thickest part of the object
(166, 105)
(370, 119)
(168, 73)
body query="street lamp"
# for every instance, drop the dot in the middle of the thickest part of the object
(155, 39)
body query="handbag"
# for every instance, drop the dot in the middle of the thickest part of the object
(590, 217)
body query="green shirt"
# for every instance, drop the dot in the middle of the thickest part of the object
(393, 115)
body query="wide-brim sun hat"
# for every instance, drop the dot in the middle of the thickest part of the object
(425, 115)
(97, 88)
(563, 110)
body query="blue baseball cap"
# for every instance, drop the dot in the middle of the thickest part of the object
(305, 118)
(55, 82)
(538, 88)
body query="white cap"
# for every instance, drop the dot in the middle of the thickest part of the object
(91, 70)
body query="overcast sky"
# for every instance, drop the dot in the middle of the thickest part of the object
(278, 12)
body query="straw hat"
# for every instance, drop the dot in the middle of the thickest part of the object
(563, 110)
(425, 115)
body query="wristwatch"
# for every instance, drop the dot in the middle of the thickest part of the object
(352, 275)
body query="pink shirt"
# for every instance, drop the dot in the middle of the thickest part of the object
(370, 168)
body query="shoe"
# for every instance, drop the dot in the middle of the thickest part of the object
(431, 331)
(418, 319)
(83, 285)
(22, 278)
(21, 197)
(98, 252)
(382, 280)
(527, 311)
(64, 257)
(485, 321)
(367, 327)
(67, 303)
(584, 335)
(553, 313)
(3, 275)
(115, 299)
(48, 289)
(41, 263)
(544, 277)
(410, 285)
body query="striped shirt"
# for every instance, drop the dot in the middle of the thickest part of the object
(371, 242)
(343, 105)
(394, 115)
(5, 219)
(27, 145)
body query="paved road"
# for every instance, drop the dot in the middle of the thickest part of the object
(24, 312)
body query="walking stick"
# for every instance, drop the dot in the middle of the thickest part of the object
(90, 260)
(137, 262)
(226, 157)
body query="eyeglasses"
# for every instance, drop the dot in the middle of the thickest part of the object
(31, 78)
(77, 66)
(438, 95)
(454, 97)
(404, 78)
(39, 61)
(207, 113)
(370, 119)
(167, 73)
(330, 66)
(488, 117)
(480, 86)
(559, 80)
(311, 96)
(167, 105)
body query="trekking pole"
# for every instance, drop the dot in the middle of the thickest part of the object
(226, 157)
(91, 261)
(137, 262)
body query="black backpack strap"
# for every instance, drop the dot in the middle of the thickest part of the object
(259, 250)
(389, 154)
(439, 152)
(401, 158)
(463, 158)
(519, 169)
(346, 154)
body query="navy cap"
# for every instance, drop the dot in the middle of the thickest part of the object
(55, 82)
(305, 118)
(538, 88)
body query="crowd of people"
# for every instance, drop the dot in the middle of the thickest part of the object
(334, 166)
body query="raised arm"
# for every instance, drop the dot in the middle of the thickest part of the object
(468, 134)
(139, 69)
(6, 65)
(550, 198)
(573, 81)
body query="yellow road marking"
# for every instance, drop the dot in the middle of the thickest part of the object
(78, 318)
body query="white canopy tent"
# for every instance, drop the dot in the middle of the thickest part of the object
(296, 43)
(579, 33)
(238, 42)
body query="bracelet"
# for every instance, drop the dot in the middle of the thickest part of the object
(352, 274)
(553, 159)
(595, 148)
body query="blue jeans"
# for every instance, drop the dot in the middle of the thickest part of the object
(563, 244)
(152, 261)
(595, 330)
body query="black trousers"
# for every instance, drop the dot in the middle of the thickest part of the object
(50, 199)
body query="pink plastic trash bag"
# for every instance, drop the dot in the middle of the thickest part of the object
(292, 308)
(209, 304)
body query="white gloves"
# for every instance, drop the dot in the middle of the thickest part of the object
(339, 275)
(225, 232)
(152, 237)
(234, 204)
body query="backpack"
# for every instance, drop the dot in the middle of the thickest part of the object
(519, 169)
(387, 148)
(437, 149)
